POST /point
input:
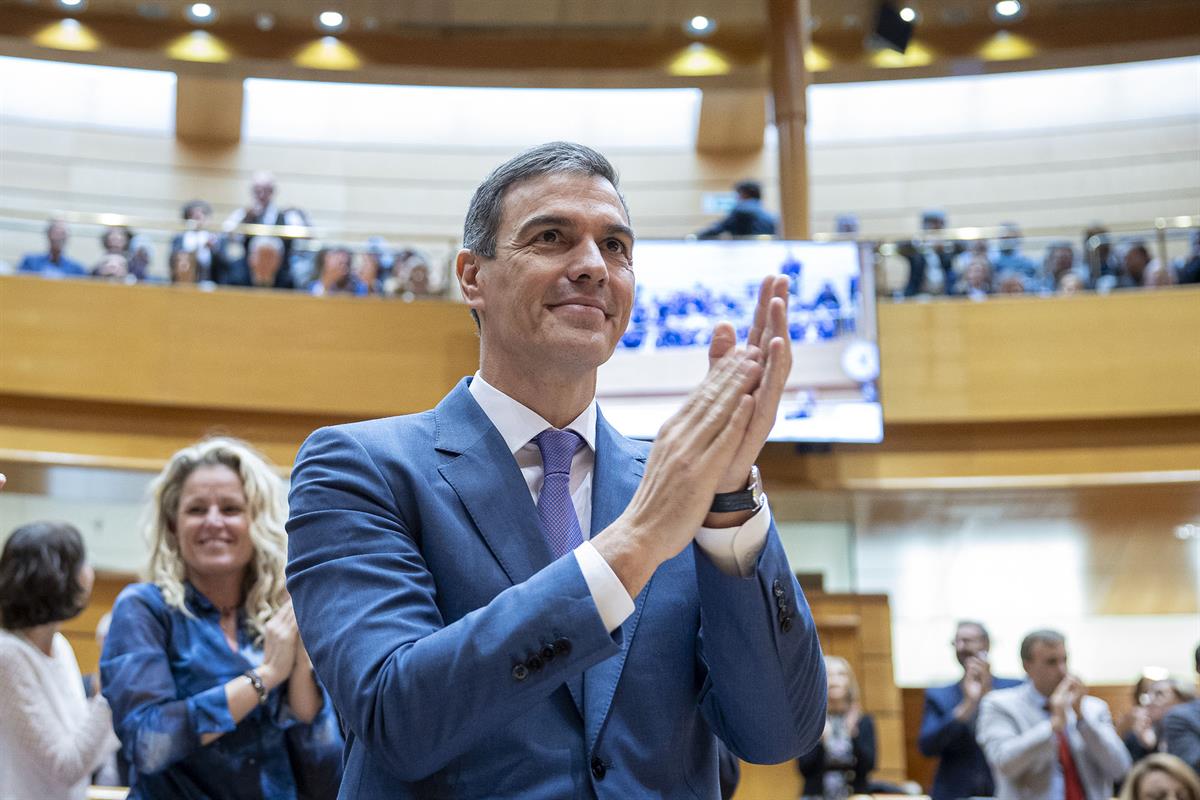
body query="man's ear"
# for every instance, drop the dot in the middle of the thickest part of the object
(466, 267)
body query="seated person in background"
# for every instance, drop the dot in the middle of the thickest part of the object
(1158, 274)
(1141, 696)
(841, 764)
(1145, 734)
(1189, 268)
(1010, 283)
(930, 260)
(263, 210)
(184, 268)
(263, 266)
(334, 275)
(368, 271)
(54, 262)
(1134, 265)
(1181, 728)
(212, 691)
(975, 277)
(1161, 777)
(52, 738)
(203, 245)
(1009, 257)
(115, 239)
(1058, 261)
(112, 267)
(1098, 253)
(948, 722)
(746, 218)
(141, 256)
(1071, 283)
(1047, 739)
(845, 224)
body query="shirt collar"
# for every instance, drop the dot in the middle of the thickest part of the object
(519, 424)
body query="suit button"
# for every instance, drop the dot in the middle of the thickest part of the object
(562, 646)
(786, 624)
(547, 652)
(777, 588)
(598, 769)
(534, 662)
(781, 602)
(784, 612)
(520, 672)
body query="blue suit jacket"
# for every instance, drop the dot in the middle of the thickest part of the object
(962, 771)
(465, 663)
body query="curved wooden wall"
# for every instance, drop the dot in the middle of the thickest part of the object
(1099, 386)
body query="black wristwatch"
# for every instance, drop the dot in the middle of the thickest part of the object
(748, 499)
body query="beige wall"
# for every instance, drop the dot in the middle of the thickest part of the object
(1120, 172)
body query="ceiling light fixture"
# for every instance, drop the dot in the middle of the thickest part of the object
(699, 26)
(1007, 9)
(201, 13)
(908, 14)
(331, 21)
(74, 5)
(264, 20)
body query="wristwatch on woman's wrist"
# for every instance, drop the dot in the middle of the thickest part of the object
(748, 499)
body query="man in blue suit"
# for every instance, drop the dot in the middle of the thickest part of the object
(504, 596)
(948, 725)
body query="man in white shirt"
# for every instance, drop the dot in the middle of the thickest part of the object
(1047, 739)
(507, 598)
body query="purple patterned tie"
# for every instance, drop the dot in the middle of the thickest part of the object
(560, 524)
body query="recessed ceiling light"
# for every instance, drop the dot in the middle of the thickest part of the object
(700, 25)
(201, 13)
(264, 21)
(908, 14)
(74, 5)
(331, 21)
(1007, 9)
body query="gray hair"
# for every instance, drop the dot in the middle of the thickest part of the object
(483, 215)
(1045, 636)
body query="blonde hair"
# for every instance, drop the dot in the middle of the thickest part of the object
(266, 507)
(1174, 766)
(838, 661)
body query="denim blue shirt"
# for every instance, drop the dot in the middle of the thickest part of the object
(164, 674)
(42, 264)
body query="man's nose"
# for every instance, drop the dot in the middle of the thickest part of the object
(588, 263)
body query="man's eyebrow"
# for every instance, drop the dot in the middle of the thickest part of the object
(623, 230)
(542, 220)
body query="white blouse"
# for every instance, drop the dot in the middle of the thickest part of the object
(51, 736)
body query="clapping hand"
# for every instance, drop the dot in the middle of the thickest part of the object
(769, 337)
(280, 642)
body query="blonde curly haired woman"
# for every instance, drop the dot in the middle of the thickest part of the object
(211, 689)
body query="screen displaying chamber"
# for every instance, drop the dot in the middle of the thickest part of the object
(684, 288)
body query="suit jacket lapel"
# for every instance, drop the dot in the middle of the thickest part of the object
(619, 469)
(489, 484)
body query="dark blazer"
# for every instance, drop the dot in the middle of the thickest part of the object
(962, 769)
(465, 663)
(1182, 730)
(746, 218)
(812, 764)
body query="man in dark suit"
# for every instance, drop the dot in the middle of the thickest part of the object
(948, 724)
(504, 596)
(746, 218)
(1181, 729)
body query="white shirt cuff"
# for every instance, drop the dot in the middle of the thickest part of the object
(608, 593)
(735, 550)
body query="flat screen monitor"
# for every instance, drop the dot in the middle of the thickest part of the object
(685, 287)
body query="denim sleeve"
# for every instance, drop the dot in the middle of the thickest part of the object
(155, 726)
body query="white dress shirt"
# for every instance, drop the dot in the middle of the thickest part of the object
(734, 550)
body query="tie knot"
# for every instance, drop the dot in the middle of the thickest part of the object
(558, 448)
